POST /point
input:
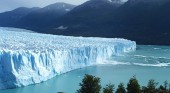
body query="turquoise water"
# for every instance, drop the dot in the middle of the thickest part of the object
(147, 62)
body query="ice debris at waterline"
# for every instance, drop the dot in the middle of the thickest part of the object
(29, 58)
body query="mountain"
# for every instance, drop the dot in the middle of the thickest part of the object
(44, 17)
(84, 17)
(34, 18)
(11, 17)
(144, 21)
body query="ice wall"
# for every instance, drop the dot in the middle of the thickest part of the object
(29, 58)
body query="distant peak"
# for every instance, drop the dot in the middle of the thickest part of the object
(60, 5)
(113, 1)
(25, 8)
(117, 1)
(21, 9)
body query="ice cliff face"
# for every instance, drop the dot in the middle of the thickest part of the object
(29, 58)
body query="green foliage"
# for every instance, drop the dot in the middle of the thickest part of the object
(169, 88)
(133, 86)
(90, 84)
(144, 89)
(163, 88)
(152, 84)
(108, 89)
(151, 87)
(121, 88)
(166, 84)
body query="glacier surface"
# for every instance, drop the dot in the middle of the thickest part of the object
(29, 58)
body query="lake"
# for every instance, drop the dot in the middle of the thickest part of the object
(147, 62)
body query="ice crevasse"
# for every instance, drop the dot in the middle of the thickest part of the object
(28, 58)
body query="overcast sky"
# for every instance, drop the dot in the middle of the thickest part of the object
(6, 5)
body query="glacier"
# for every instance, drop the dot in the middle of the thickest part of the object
(30, 58)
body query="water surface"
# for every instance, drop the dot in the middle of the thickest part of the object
(147, 62)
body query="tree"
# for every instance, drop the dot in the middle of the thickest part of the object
(108, 89)
(90, 84)
(133, 86)
(169, 88)
(152, 86)
(166, 84)
(121, 88)
(144, 89)
(161, 89)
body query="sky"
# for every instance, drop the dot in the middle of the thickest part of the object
(7, 5)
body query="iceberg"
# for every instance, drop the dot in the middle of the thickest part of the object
(30, 58)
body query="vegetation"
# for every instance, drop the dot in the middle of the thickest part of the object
(121, 88)
(91, 84)
(108, 89)
(133, 86)
(151, 87)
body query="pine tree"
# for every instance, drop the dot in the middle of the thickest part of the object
(152, 86)
(166, 85)
(90, 84)
(133, 86)
(108, 89)
(121, 88)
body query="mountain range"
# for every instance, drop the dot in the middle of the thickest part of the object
(144, 21)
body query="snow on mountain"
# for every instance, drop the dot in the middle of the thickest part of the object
(118, 1)
(29, 58)
(15, 29)
(62, 27)
(59, 6)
